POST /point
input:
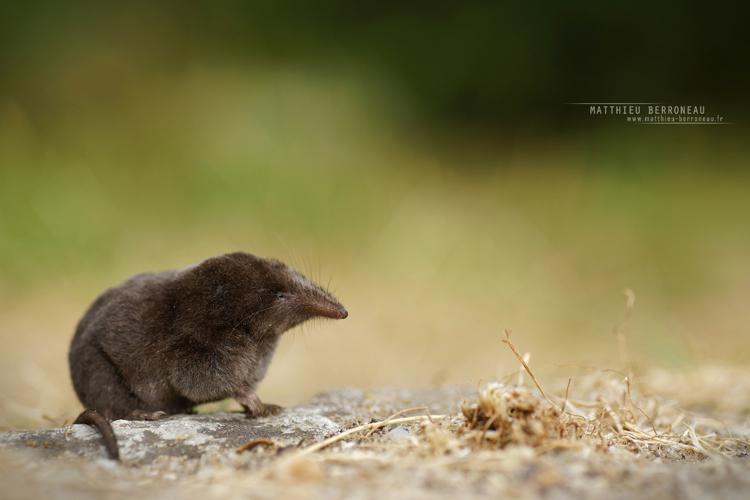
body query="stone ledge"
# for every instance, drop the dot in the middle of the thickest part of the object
(192, 436)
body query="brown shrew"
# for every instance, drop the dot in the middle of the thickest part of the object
(161, 343)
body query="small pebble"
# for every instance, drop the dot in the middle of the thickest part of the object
(399, 433)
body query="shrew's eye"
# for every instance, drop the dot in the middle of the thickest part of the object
(280, 295)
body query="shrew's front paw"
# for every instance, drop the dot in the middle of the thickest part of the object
(263, 410)
(254, 407)
(270, 409)
(146, 415)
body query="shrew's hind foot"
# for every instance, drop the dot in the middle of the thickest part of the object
(146, 415)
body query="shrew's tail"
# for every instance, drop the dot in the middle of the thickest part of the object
(95, 419)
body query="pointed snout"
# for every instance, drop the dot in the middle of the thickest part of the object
(342, 313)
(333, 310)
(327, 308)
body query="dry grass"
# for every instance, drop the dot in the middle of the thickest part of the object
(606, 414)
(601, 434)
(611, 414)
(603, 431)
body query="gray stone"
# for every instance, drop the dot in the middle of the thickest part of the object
(193, 456)
(187, 437)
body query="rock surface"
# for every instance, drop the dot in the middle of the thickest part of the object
(194, 456)
(189, 437)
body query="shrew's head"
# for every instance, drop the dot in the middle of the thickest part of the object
(251, 294)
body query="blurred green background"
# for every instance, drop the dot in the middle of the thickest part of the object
(423, 158)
